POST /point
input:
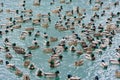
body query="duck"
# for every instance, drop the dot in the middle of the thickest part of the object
(33, 47)
(37, 34)
(114, 61)
(29, 55)
(18, 49)
(79, 52)
(45, 25)
(16, 26)
(47, 50)
(1, 61)
(55, 11)
(61, 28)
(70, 77)
(103, 64)
(90, 56)
(62, 1)
(39, 73)
(57, 56)
(34, 42)
(103, 46)
(29, 29)
(69, 13)
(26, 63)
(47, 43)
(10, 66)
(72, 42)
(8, 56)
(78, 63)
(53, 39)
(26, 77)
(97, 1)
(18, 72)
(45, 35)
(95, 8)
(36, 3)
(36, 21)
(22, 37)
(72, 48)
(53, 62)
(31, 67)
(117, 74)
(51, 75)
(27, 11)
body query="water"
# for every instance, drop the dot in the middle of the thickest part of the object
(90, 68)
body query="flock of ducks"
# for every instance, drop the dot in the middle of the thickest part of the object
(92, 38)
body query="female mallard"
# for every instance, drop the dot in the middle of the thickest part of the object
(33, 47)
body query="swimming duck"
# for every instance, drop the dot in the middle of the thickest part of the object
(10, 66)
(47, 50)
(78, 63)
(26, 77)
(26, 63)
(114, 61)
(18, 72)
(53, 39)
(32, 67)
(79, 52)
(29, 55)
(72, 48)
(90, 56)
(36, 2)
(33, 47)
(16, 26)
(29, 29)
(70, 77)
(51, 75)
(103, 64)
(8, 56)
(37, 34)
(62, 1)
(39, 73)
(45, 25)
(1, 61)
(95, 8)
(18, 49)
(117, 74)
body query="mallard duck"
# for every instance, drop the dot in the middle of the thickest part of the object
(26, 77)
(18, 49)
(47, 50)
(29, 29)
(29, 55)
(53, 39)
(117, 74)
(18, 72)
(36, 3)
(62, 1)
(31, 67)
(33, 47)
(70, 77)
(16, 26)
(51, 75)
(26, 63)
(1, 61)
(103, 64)
(10, 66)
(8, 56)
(79, 63)
(45, 25)
(39, 73)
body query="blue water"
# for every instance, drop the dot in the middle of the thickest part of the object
(87, 71)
